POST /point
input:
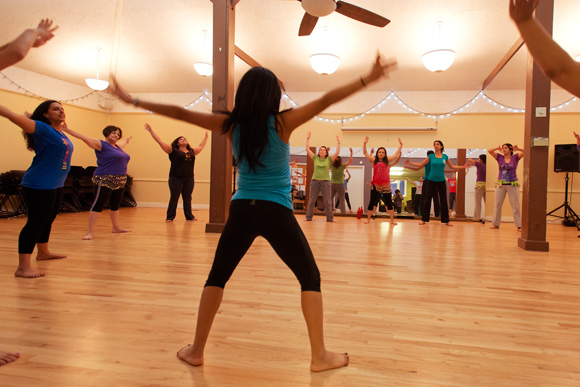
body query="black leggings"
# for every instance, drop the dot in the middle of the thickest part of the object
(346, 198)
(434, 189)
(43, 206)
(180, 186)
(102, 194)
(249, 219)
(376, 197)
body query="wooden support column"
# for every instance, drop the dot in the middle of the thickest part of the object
(460, 195)
(537, 124)
(223, 99)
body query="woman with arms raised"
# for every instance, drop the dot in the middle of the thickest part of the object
(262, 206)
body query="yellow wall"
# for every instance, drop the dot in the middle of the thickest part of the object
(150, 165)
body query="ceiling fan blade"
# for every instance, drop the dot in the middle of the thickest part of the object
(361, 14)
(307, 25)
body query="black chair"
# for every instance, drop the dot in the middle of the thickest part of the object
(70, 202)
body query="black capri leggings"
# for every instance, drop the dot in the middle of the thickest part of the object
(43, 206)
(376, 196)
(102, 194)
(249, 219)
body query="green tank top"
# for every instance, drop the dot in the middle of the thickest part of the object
(321, 168)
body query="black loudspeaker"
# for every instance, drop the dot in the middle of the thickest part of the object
(566, 158)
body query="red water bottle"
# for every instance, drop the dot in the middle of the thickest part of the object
(359, 213)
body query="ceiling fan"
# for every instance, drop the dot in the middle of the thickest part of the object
(319, 8)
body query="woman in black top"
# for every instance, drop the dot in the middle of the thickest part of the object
(181, 180)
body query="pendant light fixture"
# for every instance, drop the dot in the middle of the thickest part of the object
(96, 83)
(324, 63)
(440, 59)
(204, 68)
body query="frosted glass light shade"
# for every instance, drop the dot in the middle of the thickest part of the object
(324, 63)
(438, 60)
(96, 83)
(203, 69)
(319, 8)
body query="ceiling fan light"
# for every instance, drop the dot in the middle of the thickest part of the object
(203, 69)
(438, 60)
(319, 8)
(97, 84)
(324, 64)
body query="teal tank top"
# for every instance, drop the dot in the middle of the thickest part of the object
(437, 172)
(270, 181)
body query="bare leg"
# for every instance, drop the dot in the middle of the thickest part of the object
(93, 217)
(211, 299)
(7, 357)
(114, 215)
(321, 358)
(43, 253)
(370, 214)
(392, 216)
(24, 268)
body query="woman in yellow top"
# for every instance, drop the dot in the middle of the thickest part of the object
(321, 178)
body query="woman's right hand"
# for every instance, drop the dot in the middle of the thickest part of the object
(366, 140)
(379, 69)
(148, 128)
(116, 89)
(308, 136)
(44, 32)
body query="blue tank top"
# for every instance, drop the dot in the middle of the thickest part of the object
(51, 162)
(270, 181)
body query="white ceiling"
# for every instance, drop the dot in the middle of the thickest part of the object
(160, 40)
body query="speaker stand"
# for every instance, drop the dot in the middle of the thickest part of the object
(572, 216)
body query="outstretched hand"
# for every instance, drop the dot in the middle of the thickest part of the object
(400, 142)
(308, 136)
(116, 89)
(366, 140)
(44, 31)
(381, 68)
(522, 10)
(148, 128)
(576, 135)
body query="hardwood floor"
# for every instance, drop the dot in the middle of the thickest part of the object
(413, 305)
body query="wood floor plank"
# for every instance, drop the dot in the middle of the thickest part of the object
(414, 305)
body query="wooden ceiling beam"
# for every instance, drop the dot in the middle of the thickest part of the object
(252, 62)
(511, 52)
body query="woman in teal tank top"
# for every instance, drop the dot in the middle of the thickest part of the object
(260, 136)
(320, 182)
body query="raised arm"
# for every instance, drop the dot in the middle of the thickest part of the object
(166, 147)
(349, 160)
(519, 151)
(394, 158)
(493, 152)
(91, 142)
(123, 143)
(348, 173)
(367, 155)
(336, 153)
(210, 121)
(13, 52)
(201, 145)
(308, 151)
(25, 123)
(577, 138)
(471, 161)
(552, 59)
(293, 118)
(411, 181)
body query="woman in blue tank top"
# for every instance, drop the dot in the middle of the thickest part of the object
(262, 206)
(43, 181)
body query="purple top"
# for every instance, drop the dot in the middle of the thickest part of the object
(507, 171)
(481, 168)
(111, 160)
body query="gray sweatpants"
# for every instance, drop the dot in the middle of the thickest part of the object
(317, 186)
(513, 193)
(337, 189)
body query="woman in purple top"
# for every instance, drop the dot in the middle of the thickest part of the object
(507, 182)
(43, 181)
(109, 177)
(480, 187)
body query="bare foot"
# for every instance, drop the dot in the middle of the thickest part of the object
(193, 220)
(186, 355)
(120, 230)
(394, 223)
(88, 237)
(367, 221)
(519, 229)
(308, 220)
(27, 273)
(494, 227)
(421, 223)
(328, 361)
(168, 221)
(49, 255)
(7, 357)
(448, 224)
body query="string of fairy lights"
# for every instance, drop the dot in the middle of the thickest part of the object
(392, 97)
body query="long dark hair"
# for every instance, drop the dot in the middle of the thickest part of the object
(175, 143)
(483, 157)
(38, 115)
(337, 162)
(257, 98)
(385, 160)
